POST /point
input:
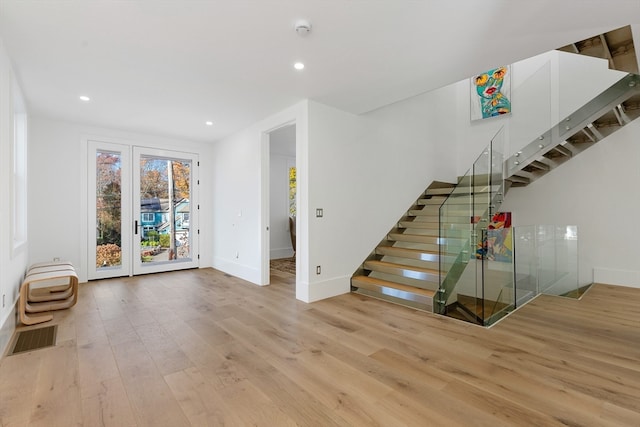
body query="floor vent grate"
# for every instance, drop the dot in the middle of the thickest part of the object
(34, 339)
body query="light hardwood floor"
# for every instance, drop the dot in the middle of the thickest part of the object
(201, 348)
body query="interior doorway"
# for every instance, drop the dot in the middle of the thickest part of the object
(282, 199)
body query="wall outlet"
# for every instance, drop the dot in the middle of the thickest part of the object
(318, 269)
(319, 213)
(56, 259)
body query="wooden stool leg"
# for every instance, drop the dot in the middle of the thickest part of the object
(22, 306)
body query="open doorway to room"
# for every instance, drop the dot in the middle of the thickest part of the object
(282, 202)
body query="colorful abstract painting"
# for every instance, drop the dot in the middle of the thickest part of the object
(490, 93)
(498, 245)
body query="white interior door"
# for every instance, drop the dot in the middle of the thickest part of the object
(142, 210)
(109, 210)
(165, 207)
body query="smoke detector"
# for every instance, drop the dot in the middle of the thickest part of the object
(303, 27)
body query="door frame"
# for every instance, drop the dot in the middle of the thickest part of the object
(138, 267)
(295, 115)
(125, 211)
(85, 142)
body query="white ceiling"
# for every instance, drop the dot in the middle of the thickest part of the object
(166, 66)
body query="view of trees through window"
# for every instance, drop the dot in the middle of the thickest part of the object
(108, 209)
(164, 217)
(165, 208)
(154, 178)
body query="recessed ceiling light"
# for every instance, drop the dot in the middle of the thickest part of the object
(85, 98)
(208, 123)
(298, 66)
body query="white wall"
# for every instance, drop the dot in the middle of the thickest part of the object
(585, 191)
(13, 261)
(282, 144)
(57, 159)
(241, 199)
(365, 172)
(545, 89)
(597, 191)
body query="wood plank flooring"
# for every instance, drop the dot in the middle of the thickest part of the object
(201, 348)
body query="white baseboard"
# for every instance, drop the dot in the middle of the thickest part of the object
(244, 272)
(7, 329)
(610, 276)
(317, 291)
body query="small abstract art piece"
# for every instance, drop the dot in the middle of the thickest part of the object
(497, 244)
(490, 93)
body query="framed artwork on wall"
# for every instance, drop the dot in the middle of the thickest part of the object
(491, 93)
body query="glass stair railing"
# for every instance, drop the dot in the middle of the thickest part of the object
(547, 262)
(476, 287)
(448, 254)
(465, 222)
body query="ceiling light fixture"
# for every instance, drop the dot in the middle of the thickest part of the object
(303, 27)
(298, 66)
(84, 98)
(208, 123)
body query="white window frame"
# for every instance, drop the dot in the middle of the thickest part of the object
(18, 171)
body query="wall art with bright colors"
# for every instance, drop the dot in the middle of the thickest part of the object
(491, 93)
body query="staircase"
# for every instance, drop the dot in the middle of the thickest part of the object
(599, 118)
(615, 46)
(605, 114)
(422, 261)
(405, 267)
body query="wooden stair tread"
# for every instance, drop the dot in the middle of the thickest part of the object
(373, 282)
(422, 238)
(431, 242)
(431, 201)
(401, 266)
(420, 254)
(439, 191)
(425, 214)
(435, 226)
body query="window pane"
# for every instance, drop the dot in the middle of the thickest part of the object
(165, 186)
(108, 209)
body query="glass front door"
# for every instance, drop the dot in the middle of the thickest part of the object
(141, 210)
(164, 217)
(109, 246)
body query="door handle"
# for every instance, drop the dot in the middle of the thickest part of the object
(135, 227)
